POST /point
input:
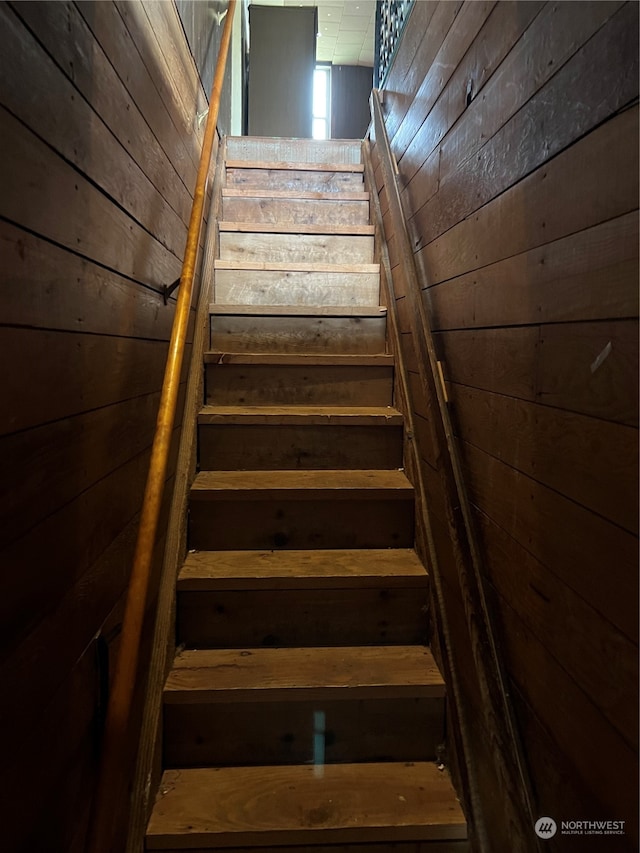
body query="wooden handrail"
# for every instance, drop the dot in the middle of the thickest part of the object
(492, 678)
(115, 740)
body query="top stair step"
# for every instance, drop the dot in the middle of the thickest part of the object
(283, 149)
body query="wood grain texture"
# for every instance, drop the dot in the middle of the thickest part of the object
(279, 227)
(603, 760)
(299, 415)
(600, 659)
(83, 360)
(352, 730)
(291, 179)
(587, 459)
(79, 135)
(296, 248)
(126, 49)
(296, 211)
(346, 803)
(291, 523)
(321, 334)
(606, 72)
(571, 541)
(561, 197)
(591, 368)
(50, 287)
(276, 446)
(345, 152)
(326, 615)
(67, 37)
(291, 286)
(279, 675)
(93, 226)
(210, 570)
(584, 276)
(305, 385)
(301, 485)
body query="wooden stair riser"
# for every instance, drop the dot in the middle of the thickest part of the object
(312, 334)
(302, 617)
(295, 211)
(283, 523)
(296, 287)
(288, 150)
(294, 179)
(296, 248)
(292, 732)
(304, 385)
(264, 447)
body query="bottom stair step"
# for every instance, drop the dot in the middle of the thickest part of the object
(210, 808)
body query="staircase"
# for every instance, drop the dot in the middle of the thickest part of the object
(303, 710)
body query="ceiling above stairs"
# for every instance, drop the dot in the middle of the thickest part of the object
(346, 29)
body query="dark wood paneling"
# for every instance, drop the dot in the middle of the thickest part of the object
(551, 446)
(570, 540)
(605, 71)
(591, 368)
(567, 194)
(455, 45)
(99, 161)
(70, 43)
(506, 124)
(584, 276)
(598, 657)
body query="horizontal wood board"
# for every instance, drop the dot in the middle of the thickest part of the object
(525, 243)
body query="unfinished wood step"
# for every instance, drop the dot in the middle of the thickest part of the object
(279, 176)
(251, 438)
(289, 705)
(328, 229)
(303, 329)
(258, 283)
(300, 415)
(315, 674)
(237, 510)
(213, 571)
(292, 248)
(294, 150)
(271, 206)
(270, 379)
(209, 808)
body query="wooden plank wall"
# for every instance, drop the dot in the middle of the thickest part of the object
(515, 127)
(99, 158)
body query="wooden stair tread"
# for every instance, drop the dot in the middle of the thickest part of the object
(314, 569)
(294, 228)
(298, 166)
(343, 415)
(295, 195)
(220, 309)
(335, 803)
(377, 360)
(301, 485)
(294, 266)
(264, 675)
